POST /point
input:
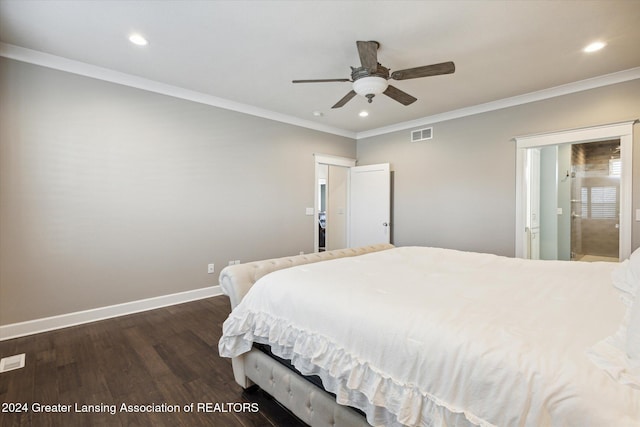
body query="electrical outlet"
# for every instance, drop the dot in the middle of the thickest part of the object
(237, 261)
(210, 269)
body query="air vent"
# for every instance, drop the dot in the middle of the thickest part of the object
(421, 134)
(12, 362)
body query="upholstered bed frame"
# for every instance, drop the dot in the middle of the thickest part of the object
(308, 402)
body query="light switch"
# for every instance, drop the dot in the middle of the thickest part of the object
(559, 211)
(309, 211)
(637, 214)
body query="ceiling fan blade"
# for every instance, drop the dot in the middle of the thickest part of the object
(320, 80)
(400, 96)
(345, 99)
(368, 52)
(425, 71)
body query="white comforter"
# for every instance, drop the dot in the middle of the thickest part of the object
(419, 336)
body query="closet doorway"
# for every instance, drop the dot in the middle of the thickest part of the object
(560, 176)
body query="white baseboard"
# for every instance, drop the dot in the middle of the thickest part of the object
(36, 326)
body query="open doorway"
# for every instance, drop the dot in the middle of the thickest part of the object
(574, 201)
(559, 145)
(352, 203)
(332, 211)
(331, 202)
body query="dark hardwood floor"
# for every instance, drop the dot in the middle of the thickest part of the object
(166, 357)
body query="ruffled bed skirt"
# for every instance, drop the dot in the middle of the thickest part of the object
(355, 383)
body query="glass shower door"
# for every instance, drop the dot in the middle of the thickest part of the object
(595, 202)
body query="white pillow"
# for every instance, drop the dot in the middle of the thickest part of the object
(619, 354)
(633, 330)
(623, 278)
(633, 276)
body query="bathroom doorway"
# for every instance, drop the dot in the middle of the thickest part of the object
(595, 195)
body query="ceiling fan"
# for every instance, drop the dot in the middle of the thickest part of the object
(371, 78)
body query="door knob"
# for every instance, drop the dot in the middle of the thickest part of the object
(385, 224)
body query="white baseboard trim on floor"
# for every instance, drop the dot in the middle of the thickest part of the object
(16, 330)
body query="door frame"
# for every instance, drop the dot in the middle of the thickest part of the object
(622, 131)
(324, 159)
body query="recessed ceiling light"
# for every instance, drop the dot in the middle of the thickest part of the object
(363, 113)
(318, 113)
(138, 40)
(594, 47)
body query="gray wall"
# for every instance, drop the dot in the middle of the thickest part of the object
(458, 189)
(110, 194)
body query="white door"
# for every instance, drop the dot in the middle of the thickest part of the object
(369, 205)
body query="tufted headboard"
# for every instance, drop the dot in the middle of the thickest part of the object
(236, 280)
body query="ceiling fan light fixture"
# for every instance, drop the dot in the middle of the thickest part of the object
(370, 86)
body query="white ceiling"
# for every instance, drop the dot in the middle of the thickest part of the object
(249, 51)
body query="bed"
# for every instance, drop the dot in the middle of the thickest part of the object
(435, 337)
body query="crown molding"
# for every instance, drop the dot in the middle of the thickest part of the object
(579, 86)
(81, 68)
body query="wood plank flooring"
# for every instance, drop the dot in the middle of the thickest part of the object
(166, 357)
